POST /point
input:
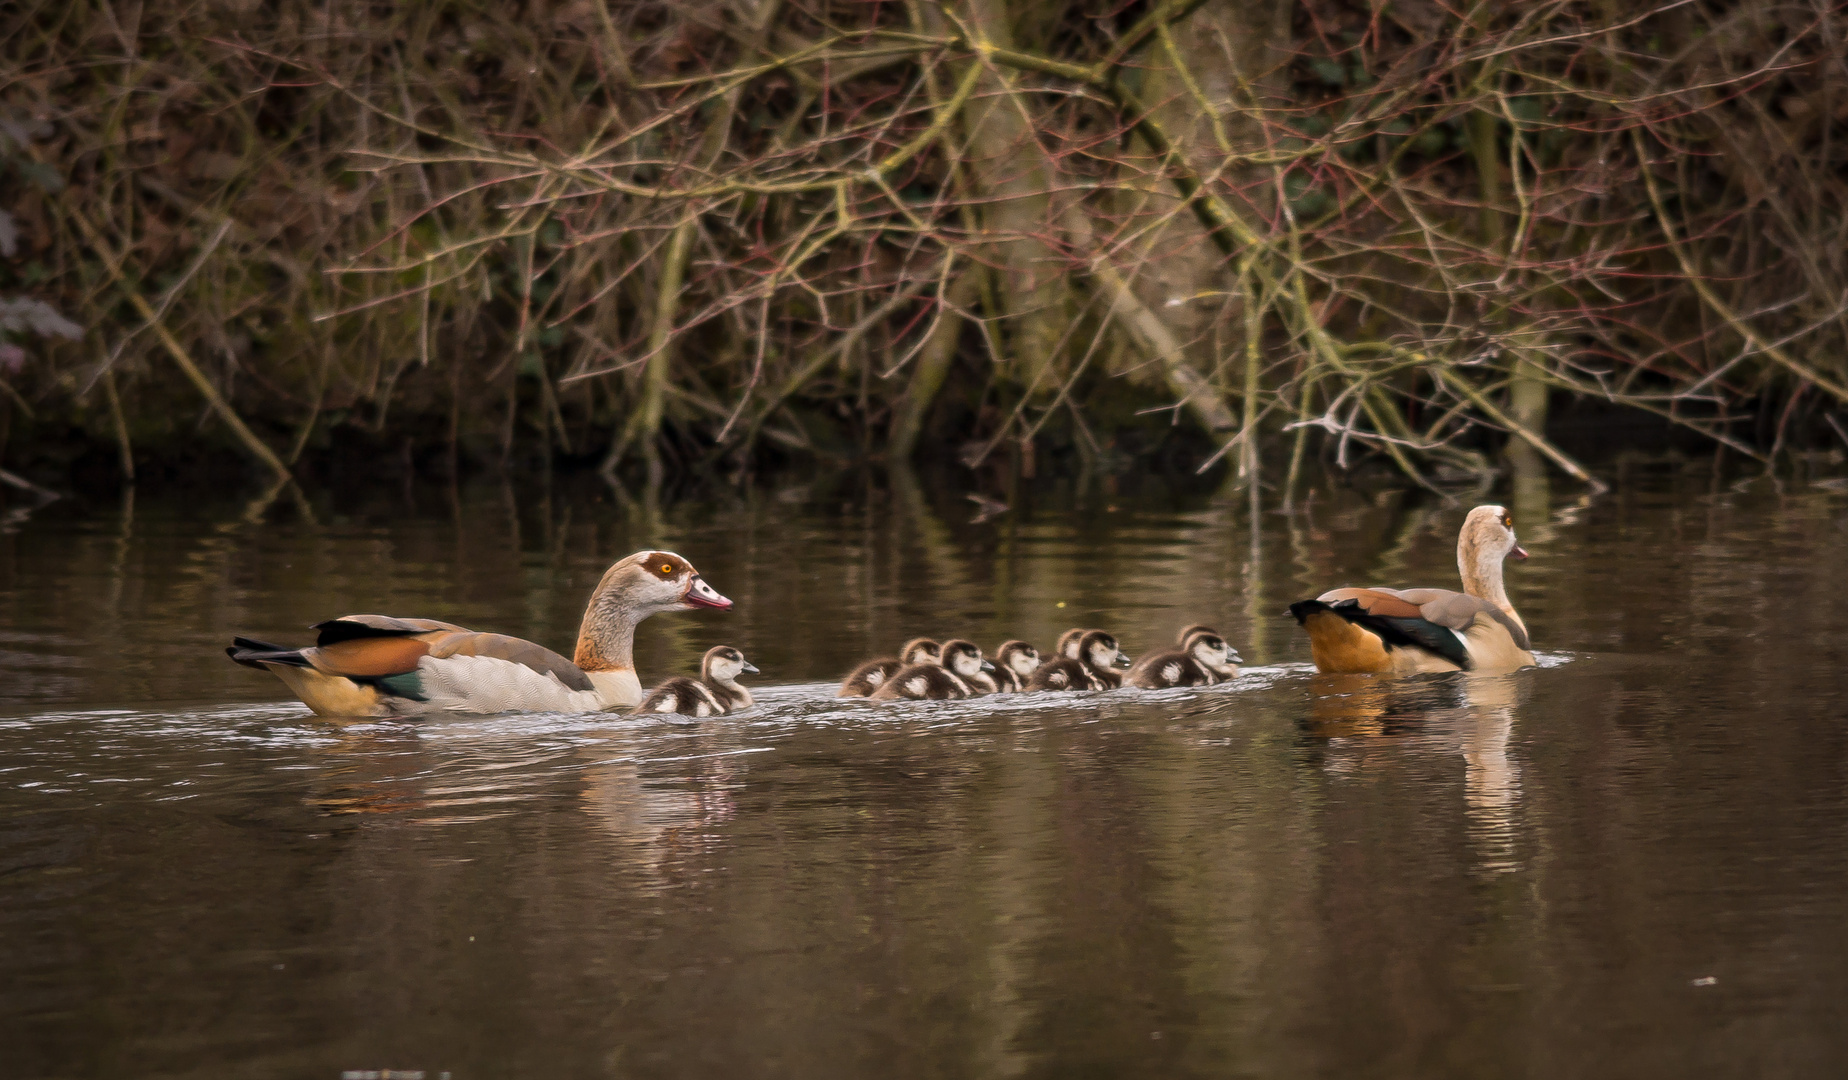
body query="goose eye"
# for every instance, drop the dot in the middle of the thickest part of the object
(667, 568)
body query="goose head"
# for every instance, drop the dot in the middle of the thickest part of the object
(635, 587)
(1018, 657)
(1100, 650)
(650, 582)
(1487, 538)
(921, 651)
(723, 664)
(965, 658)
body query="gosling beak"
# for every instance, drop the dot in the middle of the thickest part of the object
(988, 666)
(1232, 656)
(1120, 661)
(1519, 552)
(700, 594)
(750, 667)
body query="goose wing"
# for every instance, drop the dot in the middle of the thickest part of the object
(1400, 619)
(1457, 611)
(373, 646)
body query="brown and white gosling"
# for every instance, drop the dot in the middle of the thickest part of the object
(868, 677)
(715, 693)
(962, 673)
(1069, 649)
(1098, 654)
(1205, 660)
(1015, 662)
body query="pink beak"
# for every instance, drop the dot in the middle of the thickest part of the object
(1519, 552)
(700, 594)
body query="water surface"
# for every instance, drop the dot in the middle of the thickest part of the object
(1628, 862)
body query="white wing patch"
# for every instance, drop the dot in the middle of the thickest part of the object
(488, 684)
(1171, 673)
(917, 686)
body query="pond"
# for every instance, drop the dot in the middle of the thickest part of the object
(1629, 861)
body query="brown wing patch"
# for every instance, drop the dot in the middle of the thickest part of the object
(1340, 646)
(368, 657)
(1374, 602)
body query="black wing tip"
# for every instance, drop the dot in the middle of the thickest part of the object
(335, 631)
(1302, 609)
(1419, 634)
(1394, 633)
(258, 654)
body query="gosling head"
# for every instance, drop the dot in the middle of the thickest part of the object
(1188, 632)
(1211, 650)
(1099, 649)
(1068, 643)
(965, 658)
(1018, 657)
(723, 664)
(921, 651)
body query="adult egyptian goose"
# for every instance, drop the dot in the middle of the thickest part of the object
(1098, 654)
(1015, 662)
(868, 677)
(715, 693)
(962, 673)
(377, 665)
(1406, 631)
(1204, 659)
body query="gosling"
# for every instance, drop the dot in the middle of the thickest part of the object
(1206, 660)
(715, 693)
(868, 677)
(1068, 643)
(1180, 639)
(1015, 662)
(962, 673)
(1098, 654)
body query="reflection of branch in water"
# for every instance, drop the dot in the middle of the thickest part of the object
(1369, 718)
(16, 516)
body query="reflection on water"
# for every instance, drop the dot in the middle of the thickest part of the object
(1367, 718)
(1293, 874)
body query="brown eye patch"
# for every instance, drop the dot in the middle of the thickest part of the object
(664, 565)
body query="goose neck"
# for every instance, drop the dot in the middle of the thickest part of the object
(1482, 577)
(606, 638)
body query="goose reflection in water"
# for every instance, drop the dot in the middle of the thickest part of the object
(1365, 722)
(659, 815)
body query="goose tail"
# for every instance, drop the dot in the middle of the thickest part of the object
(259, 654)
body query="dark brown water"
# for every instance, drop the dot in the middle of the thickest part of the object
(1630, 862)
